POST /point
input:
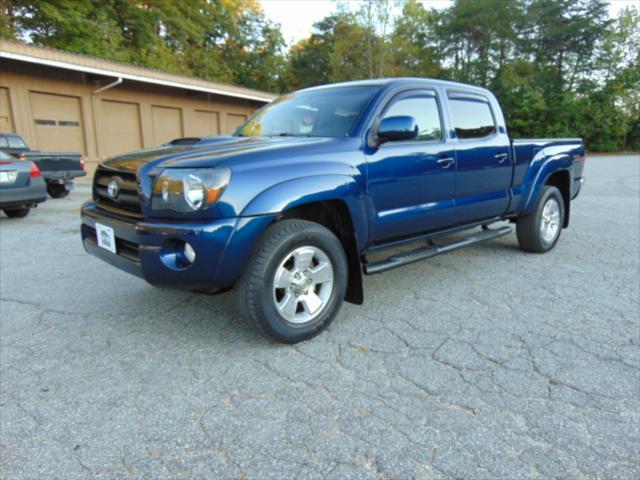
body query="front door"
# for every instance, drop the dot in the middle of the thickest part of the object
(412, 182)
(484, 164)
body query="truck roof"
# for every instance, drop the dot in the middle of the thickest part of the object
(387, 82)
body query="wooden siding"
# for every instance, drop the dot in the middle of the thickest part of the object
(106, 121)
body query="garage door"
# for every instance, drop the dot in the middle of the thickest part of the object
(206, 123)
(58, 122)
(6, 121)
(234, 120)
(167, 124)
(119, 128)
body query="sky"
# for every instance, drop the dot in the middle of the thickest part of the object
(298, 16)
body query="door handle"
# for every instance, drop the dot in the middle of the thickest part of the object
(501, 157)
(446, 162)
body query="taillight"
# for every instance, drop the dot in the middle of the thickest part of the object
(22, 158)
(82, 163)
(35, 171)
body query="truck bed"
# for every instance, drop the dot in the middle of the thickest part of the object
(531, 154)
(57, 165)
(524, 149)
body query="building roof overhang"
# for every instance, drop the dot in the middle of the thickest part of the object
(22, 52)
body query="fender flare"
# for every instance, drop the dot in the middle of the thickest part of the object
(315, 188)
(538, 176)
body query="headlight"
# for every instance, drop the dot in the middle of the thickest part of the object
(188, 190)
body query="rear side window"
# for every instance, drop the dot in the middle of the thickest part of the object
(472, 118)
(3, 142)
(424, 109)
(16, 142)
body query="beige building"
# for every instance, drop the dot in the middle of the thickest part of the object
(61, 101)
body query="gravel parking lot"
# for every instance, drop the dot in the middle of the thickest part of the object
(485, 363)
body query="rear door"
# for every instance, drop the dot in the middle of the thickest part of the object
(412, 182)
(482, 151)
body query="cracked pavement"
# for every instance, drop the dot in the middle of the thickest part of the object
(484, 363)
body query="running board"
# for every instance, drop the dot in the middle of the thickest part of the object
(411, 256)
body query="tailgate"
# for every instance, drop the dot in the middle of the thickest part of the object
(57, 163)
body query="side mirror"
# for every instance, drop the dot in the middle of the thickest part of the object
(397, 128)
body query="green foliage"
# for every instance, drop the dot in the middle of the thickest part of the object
(221, 40)
(414, 43)
(558, 67)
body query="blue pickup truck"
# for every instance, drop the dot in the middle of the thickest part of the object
(323, 185)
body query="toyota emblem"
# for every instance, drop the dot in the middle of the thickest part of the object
(113, 188)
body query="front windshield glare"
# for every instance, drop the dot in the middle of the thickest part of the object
(330, 112)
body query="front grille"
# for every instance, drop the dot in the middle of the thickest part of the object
(126, 202)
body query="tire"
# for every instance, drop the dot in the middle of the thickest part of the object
(17, 212)
(57, 190)
(287, 248)
(539, 231)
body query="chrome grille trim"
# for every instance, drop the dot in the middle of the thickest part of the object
(127, 202)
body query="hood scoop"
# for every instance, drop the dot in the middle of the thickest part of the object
(185, 141)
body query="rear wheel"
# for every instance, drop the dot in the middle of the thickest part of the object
(17, 212)
(57, 190)
(539, 231)
(295, 282)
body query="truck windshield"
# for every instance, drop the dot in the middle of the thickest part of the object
(330, 112)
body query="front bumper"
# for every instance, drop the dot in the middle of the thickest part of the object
(578, 183)
(35, 192)
(146, 248)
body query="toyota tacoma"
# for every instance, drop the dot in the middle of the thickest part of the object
(324, 185)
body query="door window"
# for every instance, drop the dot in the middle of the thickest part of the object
(424, 108)
(472, 118)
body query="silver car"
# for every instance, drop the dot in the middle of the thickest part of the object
(21, 186)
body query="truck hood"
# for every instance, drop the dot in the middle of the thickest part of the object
(209, 152)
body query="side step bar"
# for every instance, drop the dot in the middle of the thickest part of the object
(421, 253)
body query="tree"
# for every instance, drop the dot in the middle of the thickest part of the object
(336, 51)
(558, 67)
(480, 36)
(229, 41)
(415, 43)
(351, 57)
(309, 59)
(615, 102)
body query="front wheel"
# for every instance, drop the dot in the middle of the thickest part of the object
(295, 282)
(539, 231)
(57, 190)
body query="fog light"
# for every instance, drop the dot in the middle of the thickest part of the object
(189, 253)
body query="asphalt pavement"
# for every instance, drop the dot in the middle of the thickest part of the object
(484, 363)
